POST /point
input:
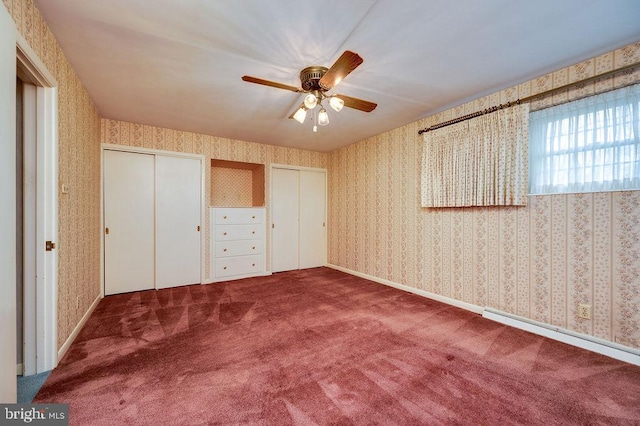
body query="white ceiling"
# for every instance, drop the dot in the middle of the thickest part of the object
(179, 63)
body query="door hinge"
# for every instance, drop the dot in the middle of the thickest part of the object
(198, 228)
(49, 245)
(106, 231)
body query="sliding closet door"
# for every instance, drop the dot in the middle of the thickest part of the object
(313, 247)
(284, 219)
(129, 224)
(178, 194)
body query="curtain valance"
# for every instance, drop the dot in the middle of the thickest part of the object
(479, 162)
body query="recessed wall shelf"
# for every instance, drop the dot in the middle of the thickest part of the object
(237, 184)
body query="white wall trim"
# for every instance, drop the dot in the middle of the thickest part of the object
(449, 301)
(214, 281)
(140, 150)
(43, 309)
(36, 69)
(572, 338)
(47, 288)
(67, 344)
(293, 167)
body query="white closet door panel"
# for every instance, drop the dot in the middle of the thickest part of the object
(129, 217)
(313, 247)
(284, 217)
(178, 181)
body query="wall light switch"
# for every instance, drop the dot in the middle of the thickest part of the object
(65, 188)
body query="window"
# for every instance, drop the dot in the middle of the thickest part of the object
(592, 144)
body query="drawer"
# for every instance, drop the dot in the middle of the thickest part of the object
(238, 248)
(238, 232)
(237, 216)
(242, 265)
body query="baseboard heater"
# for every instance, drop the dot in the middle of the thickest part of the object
(601, 346)
(594, 344)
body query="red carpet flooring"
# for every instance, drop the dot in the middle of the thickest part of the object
(322, 347)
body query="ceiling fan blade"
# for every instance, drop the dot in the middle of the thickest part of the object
(256, 80)
(346, 63)
(356, 103)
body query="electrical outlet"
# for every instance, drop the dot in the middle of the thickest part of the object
(584, 311)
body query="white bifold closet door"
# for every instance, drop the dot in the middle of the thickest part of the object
(152, 211)
(298, 209)
(129, 210)
(177, 221)
(313, 246)
(284, 219)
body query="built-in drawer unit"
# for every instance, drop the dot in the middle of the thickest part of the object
(237, 242)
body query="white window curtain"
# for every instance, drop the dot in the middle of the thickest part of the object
(592, 144)
(478, 162)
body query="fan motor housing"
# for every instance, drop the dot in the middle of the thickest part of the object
(310, 77)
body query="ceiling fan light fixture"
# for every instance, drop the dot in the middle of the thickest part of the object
(336, 103)
(315, 82)
(300, 115)
(310, 101)
(323, 117)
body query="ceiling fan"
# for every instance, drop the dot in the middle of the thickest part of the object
(316, 81)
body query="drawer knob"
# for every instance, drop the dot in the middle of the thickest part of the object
(224, 249)
(253, 232)
(224, 217)
(224, 233)
(224, 267)
(253, 217)
(253, 248)
(253, 264)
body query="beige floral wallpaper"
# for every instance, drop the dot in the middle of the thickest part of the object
(231, 187)
(139, 135)
(538, 261)
(78, 167)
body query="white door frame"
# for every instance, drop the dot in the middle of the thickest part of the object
(42, 305)
(269, 219)
(125, 148)
(8, 283)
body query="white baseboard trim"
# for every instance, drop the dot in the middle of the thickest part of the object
(594, 344)
(65, 347)
(237, 277)
(19, 369)
(449, 301)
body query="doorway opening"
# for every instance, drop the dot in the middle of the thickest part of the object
(36, 214)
